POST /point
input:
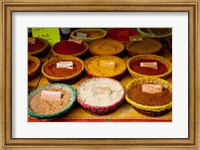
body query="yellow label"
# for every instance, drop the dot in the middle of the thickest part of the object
(52, 35)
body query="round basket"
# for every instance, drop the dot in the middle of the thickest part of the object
(147, 46)
(163, 60)
(68, 79)
(116, 75)
(89, 39)
(149, 110)
(100, 110)
(106, 47)
(65, 87)
(41, 50)
(79, 54)
(35, 70)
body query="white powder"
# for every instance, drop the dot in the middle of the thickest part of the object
(100, 92)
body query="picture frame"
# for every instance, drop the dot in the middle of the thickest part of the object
(8, 7)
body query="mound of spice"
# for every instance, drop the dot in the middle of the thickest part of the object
(121, 34)
(40, 105)
(136, 67)
(157, 99)
(52, 69)
(36, 45)
(68, 47)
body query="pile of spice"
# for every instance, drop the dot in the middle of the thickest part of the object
(161, 68)
(51, 68)
(69, 47)
(105, 66)
(37, 45)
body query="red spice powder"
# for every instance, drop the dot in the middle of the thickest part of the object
(135, 66)
(34, 47)
(51, 69)
(121, 34)
(68, 47)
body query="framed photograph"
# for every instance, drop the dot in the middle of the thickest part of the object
(171, 28)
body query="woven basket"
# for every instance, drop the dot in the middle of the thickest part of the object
(76, 55)
(100, 110)
(68, 79)
(73, 34)
(148, 80)
(54, 115)
(163, 60)
(33, 72)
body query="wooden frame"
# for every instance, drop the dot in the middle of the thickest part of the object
(7, 7)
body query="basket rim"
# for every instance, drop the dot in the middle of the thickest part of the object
(88, 29)
(41, 49)
(63, 58)
(145, 107)
(121, 99)
(153, 35)
(76, 55)
(36, 61)
(67, 108)
(151, 56)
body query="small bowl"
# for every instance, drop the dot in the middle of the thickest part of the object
(58, 114)
(96, 108)
(104, 46)
(163, 60)
(144, 109)
(67, 79)
(79, 54)
(116, 76)
(40, 50)
(135, 48)
(33, 71)
(88, 39)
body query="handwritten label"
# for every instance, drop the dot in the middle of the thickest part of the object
(31, 40)
(50, 95)
(136, 38)
(107, 63)
(153, 65)
(152, 88)
(52, 35)
(81, 35)
(76, 41)
(65, 64)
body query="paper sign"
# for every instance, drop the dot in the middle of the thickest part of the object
(136, 38)
(65, 64)
(81, 35)
(153, 65)
(52, 35)
(76, 41)
(152, 88)
(50, 95)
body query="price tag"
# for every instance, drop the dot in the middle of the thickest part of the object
(107, 63)
(76, 41)
(153, 65)
(152, 88)
(31, 40)
(50, 95)
(81, 35)
(135, 38)
(65, 64)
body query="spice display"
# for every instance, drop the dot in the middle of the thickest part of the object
(101, 95)
(33, 66)
(69, 48)
(121, 34)
(52, 70)
(106, 47)
(147, 46)
(105, 66)
(161, 68)
(36, 46)
(155, 32)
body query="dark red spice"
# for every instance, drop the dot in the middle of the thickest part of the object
(135, 66)
(121, 34)
(37, 46)
(68, 48)
(158, 99)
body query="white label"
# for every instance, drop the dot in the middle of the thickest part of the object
(153, 65)
(31, 40)
(50, 95)
(136, 38)
(81, 35)
(76, 41)
(107, 63)
(65, 64)
(152, 88)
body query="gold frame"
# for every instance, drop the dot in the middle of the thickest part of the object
(9, 6)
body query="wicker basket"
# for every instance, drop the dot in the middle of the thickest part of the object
(100, 110)
(68, 79)
(54, 115)
(149, 110)
(103, 34)
(163, 60)
(35, 70)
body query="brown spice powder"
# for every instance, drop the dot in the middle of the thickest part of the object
(135, 94)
